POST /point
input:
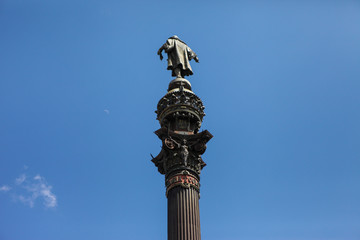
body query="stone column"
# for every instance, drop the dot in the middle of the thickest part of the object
(183, 210)
(180, 113)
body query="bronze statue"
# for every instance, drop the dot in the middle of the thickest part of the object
(179, 56)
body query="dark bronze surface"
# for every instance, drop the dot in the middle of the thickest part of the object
(180, 113)
(183, 214)
(179, 56)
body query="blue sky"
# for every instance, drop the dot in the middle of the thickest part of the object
(79, 84)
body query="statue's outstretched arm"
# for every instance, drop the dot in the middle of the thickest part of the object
(159, 52)
(192, 55)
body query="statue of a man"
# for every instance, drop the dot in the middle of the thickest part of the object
(179, 56)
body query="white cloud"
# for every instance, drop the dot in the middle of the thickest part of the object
(106, 111)
(26, 200)
(20, 179)
(50, 200)
(40, 189)
(4, 188)
(37, 177)
(29, 190)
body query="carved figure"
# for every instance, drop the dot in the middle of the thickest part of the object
(178, 149)
(184, 152)
(179, 56)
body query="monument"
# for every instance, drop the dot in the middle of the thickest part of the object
(180, 114)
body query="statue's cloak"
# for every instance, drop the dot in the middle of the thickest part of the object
(179, 56)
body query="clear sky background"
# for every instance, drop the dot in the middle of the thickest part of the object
(79, 84)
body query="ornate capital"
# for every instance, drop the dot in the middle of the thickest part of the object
(180, 113)
(180, 151)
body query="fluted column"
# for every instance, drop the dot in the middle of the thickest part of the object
(183, 214)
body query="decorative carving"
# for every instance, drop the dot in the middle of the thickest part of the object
(180, 113)
(184, 152)
(182, 180)
(178, 104)
(170, 144)
(181, 151)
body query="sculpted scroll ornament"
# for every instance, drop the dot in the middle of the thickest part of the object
(169, 143)
(181, 151)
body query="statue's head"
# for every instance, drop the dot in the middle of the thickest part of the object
(175, 37)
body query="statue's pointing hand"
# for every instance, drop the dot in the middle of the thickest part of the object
(160, 54)
(196, 59)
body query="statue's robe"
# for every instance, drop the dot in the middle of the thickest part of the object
(179, 56)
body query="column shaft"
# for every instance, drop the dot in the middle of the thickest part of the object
(183, 214)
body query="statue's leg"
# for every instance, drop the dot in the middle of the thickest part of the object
(177, 72)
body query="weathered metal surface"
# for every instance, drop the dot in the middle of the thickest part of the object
(183, 179)
(183, 214)
(179, 56)
(184, 104)
(180, 113)
(181, 151)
